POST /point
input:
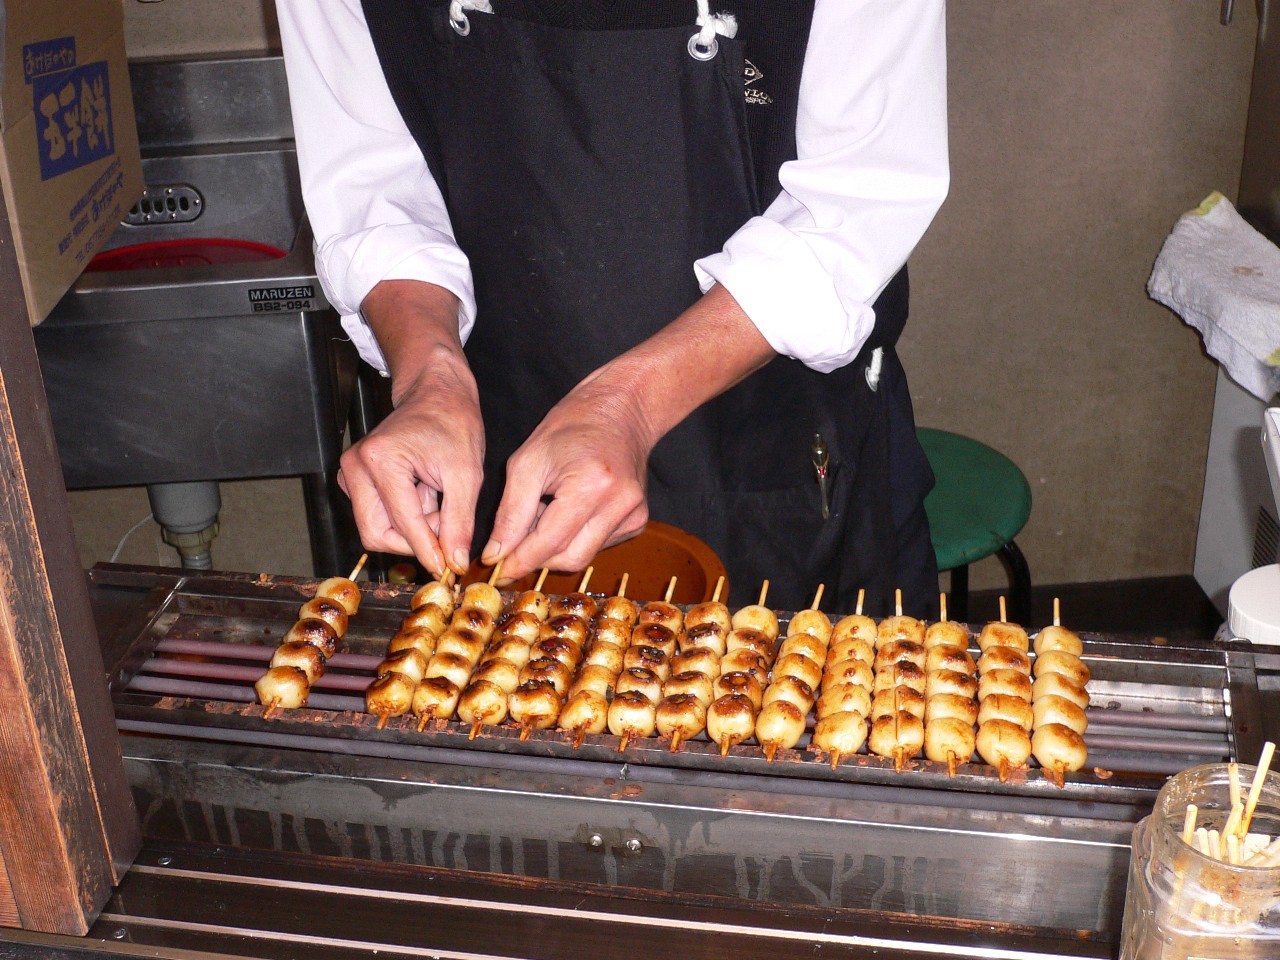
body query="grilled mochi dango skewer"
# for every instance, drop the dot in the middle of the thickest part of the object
(438, 694)
(544, 680)
(458, 649)
(951, 708)
(847, 683)
(681, 714)
(796, 675)
(646, 667)
(1058, 723)
(739, 690)
(898, 702)
(308, 644)
(586, 709)
(1003, 740)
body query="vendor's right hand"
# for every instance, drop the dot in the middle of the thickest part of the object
(414, 480)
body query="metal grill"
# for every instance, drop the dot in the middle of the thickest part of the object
(1155, 709)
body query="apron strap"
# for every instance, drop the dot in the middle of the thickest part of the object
(702, 45)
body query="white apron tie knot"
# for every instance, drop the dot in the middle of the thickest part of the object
(703, 45)
(458, 14)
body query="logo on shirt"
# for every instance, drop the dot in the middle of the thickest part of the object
(750, 74)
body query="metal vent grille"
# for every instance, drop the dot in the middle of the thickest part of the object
(166, 203)
(1266, 540)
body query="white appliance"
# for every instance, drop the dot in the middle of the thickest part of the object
(1239, 526)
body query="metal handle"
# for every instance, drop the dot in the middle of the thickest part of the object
(1228, 8)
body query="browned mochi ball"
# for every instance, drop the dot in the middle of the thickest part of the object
(316, 632)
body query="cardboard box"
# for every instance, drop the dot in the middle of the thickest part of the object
(69, 159)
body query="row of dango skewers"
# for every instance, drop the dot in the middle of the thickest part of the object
(315, 636)
(587, 666)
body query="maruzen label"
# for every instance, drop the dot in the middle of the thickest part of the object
(72, 106)
(282, 299)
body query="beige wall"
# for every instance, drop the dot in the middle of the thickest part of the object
(1080, 130)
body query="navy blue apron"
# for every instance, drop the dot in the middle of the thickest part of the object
(587, 159)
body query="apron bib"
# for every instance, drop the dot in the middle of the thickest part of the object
(587, 157)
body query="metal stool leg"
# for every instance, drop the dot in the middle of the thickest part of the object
(1020, 578)
(958, 603)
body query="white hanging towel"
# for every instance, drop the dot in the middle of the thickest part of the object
(1223, 278)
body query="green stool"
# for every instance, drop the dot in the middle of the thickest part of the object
(980, 503)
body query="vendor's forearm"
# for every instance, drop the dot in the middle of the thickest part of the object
(706, 350)
(416, 325)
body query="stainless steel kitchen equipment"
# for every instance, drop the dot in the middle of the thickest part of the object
(213, 355)
(271, 831)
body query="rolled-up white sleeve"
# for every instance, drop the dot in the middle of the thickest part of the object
(376, 212)
(870, 174)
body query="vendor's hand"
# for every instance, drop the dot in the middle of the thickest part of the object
(414, 480)
(588, 456)
(577, 484)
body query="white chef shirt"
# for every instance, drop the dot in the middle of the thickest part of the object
(870, 174)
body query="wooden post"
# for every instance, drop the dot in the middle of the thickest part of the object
(68, 828)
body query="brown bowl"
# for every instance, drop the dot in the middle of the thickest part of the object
(651, 558)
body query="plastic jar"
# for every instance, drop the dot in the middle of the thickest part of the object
(1181, 903)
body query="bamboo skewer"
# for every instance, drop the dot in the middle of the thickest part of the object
(942, 607)
(497, 571)
(671, 589)
(542, 578)
(817, 597)
(1189, 824)
(622, 587)
(1255, 789)
(586, 578)
(715, 595)
(862, 593)
(355, 572)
